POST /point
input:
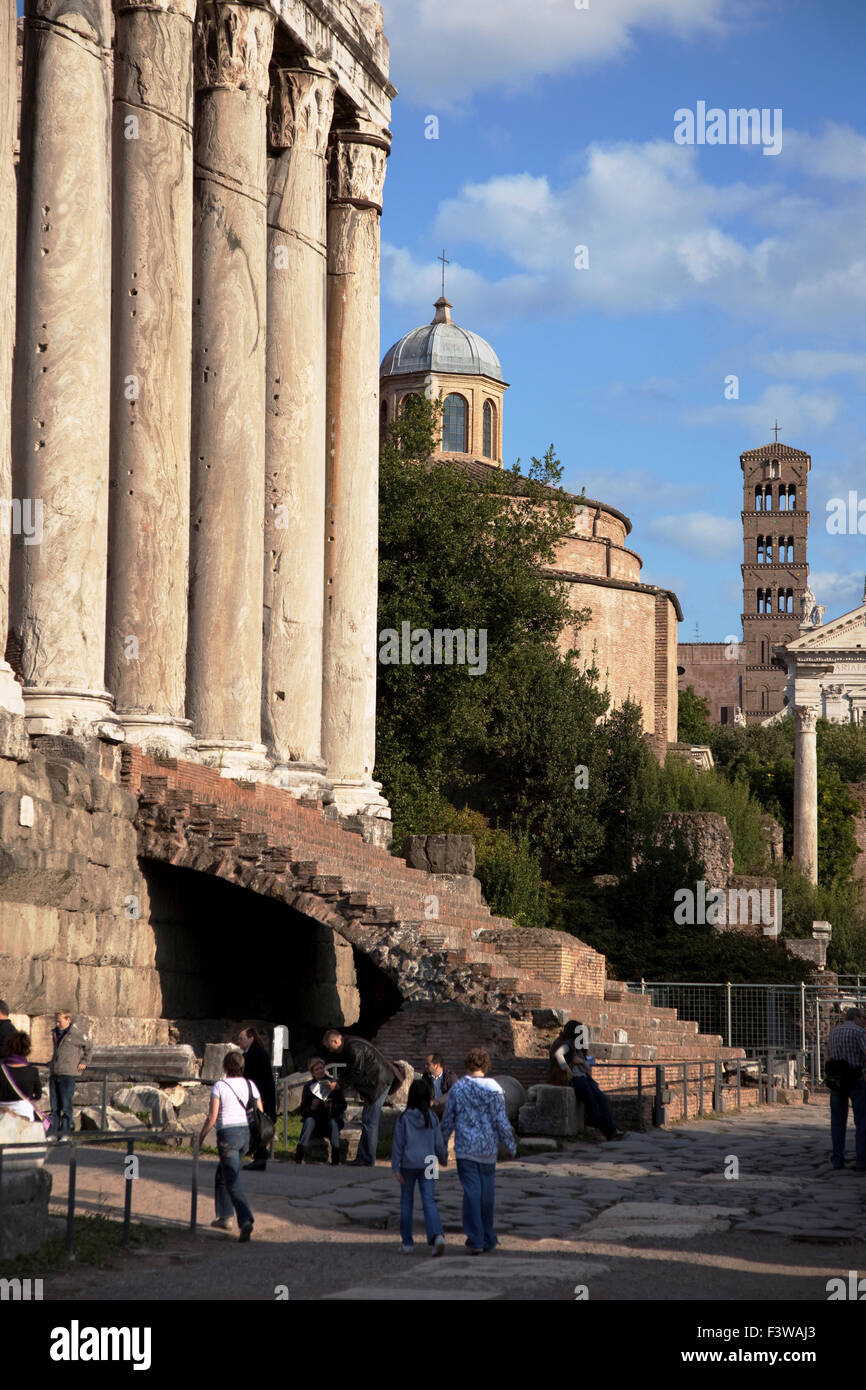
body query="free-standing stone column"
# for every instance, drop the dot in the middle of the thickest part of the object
(357, 172)
(62, 360)
(10, 691)
(302, 101)
(152, 326)
(806, 791)
(228, 385)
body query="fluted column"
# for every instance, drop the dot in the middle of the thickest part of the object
(62, 362)
(152, 326)
(233, 49)
(10, 691)
(357, 173)
(301, 107)
(806, 791)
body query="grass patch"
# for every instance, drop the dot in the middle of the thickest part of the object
(98, 1239)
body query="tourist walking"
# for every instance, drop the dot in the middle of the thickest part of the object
(7, 1027)
(372, 1076)
(19, 1078)
(576, 1061)
(846, 1081)
(257, 1068)
(417, 1150)
(72, 1050)
(228, 1111)
(475, 1115)
(323, 1106)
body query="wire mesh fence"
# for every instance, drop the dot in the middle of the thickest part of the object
(761, 1018)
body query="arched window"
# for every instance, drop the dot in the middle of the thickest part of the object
(759, 499)
(768, 551)
(759, 554)
(768, 498)
(789, 600)
(760, 598)
(489, 442)
(792, 498)
(454, 421)
(408, 399)
(383, 418)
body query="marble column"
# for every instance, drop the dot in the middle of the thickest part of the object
(806, 791)
(356, 177)
(302, 103)
(151, 344)
(224, 668)
(11, 698)
(63, 362)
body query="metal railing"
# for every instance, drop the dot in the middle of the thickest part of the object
(710, 1079)
(71, 1143)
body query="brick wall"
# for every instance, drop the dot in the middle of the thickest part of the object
(564, 961)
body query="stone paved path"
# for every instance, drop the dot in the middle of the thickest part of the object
(652, 1217)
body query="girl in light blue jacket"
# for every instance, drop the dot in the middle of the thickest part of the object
(416, 1152)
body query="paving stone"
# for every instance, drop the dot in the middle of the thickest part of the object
(660, 1220)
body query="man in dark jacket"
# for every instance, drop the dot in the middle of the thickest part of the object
(372, 1076)
(7, 1027)
(440, 1079)
(257, 1068)
(323, 1106)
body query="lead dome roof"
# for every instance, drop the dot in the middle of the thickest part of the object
(442, 346)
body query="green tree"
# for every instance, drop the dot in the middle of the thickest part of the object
(693, 717)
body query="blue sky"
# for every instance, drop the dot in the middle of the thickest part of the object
(556, 130)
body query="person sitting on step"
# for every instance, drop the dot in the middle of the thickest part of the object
(323, 1106)
(570, 1054)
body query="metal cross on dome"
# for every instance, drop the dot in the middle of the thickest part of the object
(777, 431)
(444, 263)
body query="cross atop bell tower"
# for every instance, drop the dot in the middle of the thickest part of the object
(775, 567)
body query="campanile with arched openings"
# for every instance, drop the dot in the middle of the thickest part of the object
(441, 358)
(775, 567)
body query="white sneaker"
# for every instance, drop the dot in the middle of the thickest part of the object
(438, 1246)
(407, 1249)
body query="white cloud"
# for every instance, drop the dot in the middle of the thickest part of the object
(442, 51)
(838, 152)
(700, 534)
(838, 592)
(637, 485)
(800, 413)
(660, 237)
(814, 365)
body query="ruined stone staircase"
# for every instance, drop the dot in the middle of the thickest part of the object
(463, 972)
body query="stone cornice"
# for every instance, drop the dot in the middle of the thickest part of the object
(357, 56)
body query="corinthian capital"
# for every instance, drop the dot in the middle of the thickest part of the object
(301, 107)
(807, 718)
(356, 173)
(233, 46)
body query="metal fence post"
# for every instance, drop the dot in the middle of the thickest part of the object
(739, 1086)
(104, 1115)
(685, 1090)
(70, 1203)
(717, 1084)
(639, 1097)
(658, 1109)
(285, 1112)
(701, 1090)
(771, 1080)
(193, 1202)
(802, 1016)
(127, 1196)
(728, 993)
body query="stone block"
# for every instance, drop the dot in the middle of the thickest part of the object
(526, 1147)
(515, 1095)
(294, 1084)
(97, 989)
(90, 1117)
(176, 1062)
(555, 1111)
(214, 1056)
(440, 854)
(25, 1195)
(401, 1095)
(136, 1099)
(15, 1129)
(70, 783)
(14, 741)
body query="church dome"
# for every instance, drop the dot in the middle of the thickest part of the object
(441, 346)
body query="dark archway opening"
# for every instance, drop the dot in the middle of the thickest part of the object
(226, 955)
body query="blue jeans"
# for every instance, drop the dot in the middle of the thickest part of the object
(595, 1103)
(370, 1116)
(232, 1144)
(432, 1219)
(839, 1122)
(61, 1089)
(307, 1133)
(477, 1180)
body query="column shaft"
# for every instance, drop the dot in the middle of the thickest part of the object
(806, 792)
(357, 172)
(228, 384)
(300, 118)
(10, 691)
(62, 364)
(152, 325)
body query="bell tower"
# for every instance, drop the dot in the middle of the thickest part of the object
(775, 568)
